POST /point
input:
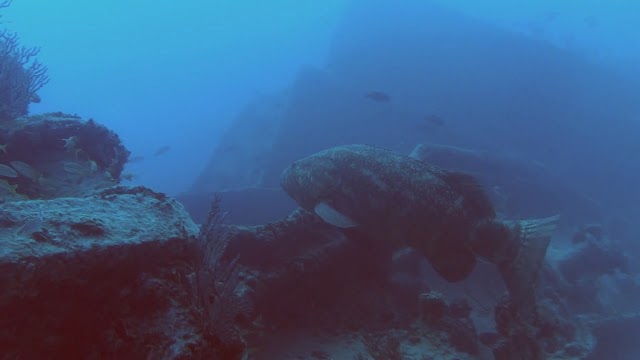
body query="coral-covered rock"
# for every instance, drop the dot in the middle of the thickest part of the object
(553, 333)
(462, 334)
(59, 155)
(433, 307)
(452, 319)
(103, 276)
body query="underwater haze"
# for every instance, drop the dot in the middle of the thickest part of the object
(165, 73)
(485, 153)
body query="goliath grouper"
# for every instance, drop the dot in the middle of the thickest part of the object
(393, 198)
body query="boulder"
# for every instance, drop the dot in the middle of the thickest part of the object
(101, 276)
(58, 155)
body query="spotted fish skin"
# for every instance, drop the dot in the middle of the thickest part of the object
(394, 198)
(397, 200)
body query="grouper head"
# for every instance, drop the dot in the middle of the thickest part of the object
(312, 182)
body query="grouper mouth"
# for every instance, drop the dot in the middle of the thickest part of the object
(297, 183)
(312, 188)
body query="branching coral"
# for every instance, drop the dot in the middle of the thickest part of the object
(21, 75)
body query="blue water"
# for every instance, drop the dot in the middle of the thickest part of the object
(160, 73)
(167, 73)
(555, 82)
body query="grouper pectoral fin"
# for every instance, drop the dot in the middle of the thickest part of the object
(333, 216)
(453, 264)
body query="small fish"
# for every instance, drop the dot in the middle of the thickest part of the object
(3, 148)
(378, 96)
(127, 176)
(70, 143)
(80, 154)
(7, 171)
(162, 150)
(135, 159)
(434, 120)
(7, 190)
(26, 170)
(78, 169)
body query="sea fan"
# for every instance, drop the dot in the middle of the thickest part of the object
(217, 279)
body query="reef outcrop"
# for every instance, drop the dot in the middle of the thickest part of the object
(101, 276)
(56, 155)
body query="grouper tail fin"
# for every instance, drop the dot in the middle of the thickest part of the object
(518, 249)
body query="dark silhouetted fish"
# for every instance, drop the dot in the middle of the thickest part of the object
(434, 120)
(127, 176)
(392, 198)
(162, 150)
(135, 159)
(378, 96)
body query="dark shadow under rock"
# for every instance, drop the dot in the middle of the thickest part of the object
(617, 338)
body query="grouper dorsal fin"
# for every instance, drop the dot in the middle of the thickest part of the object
(333, 216)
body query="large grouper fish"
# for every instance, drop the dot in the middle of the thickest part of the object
(390, 197)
